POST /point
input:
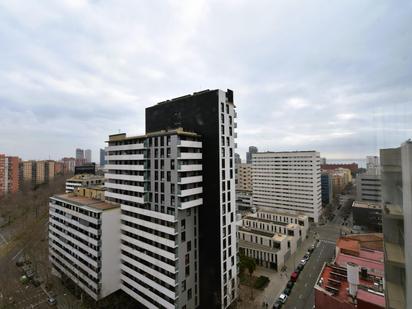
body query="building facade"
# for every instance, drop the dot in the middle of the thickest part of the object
(83, 180)
(368, 187)
(244, 177)
(9, 174)
(327, 187)
(249, 154)
(367, 215)
(157, 180)
(102, 160)
(288, 182)
(211, 114)
(396, 173)
(84, 243)
(88, 155)
(270, 237)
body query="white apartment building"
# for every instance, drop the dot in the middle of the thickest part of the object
(83, 180)
(271, 237)
(289, 182)
(157, 180)
(84, 243)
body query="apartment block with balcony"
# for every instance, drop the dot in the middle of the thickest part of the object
(157, 180)
(84, 243)
(396, 173)
(289, 182)
(211, 114)
(271, 237)
(9, 174)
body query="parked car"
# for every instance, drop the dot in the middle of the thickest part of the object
(283, 298)
(290, 284)
(299, 268)
(51, 301)
(278, 304)
(306, 256)
(294, 276)
(303, 262)
(287, 291)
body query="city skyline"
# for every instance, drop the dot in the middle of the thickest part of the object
(70, 77)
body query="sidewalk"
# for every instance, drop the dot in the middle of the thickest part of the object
(277, 282)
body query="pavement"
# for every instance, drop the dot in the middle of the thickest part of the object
(278, 280)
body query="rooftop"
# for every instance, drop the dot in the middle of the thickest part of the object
(85, 201)
(286, 214)
(359, 204)
(352, 244)
(177, 131)
(266, 220)
(85, 177)
(334, 282)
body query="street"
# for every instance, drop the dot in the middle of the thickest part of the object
(302, 295)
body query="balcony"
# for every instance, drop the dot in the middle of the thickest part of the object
(124, 147)
(125, 197)
(123, 177)
(188, 192)
(124, 167)
(125, 157)
(124, 187)
(190, 204)
(186, 180)
(189, 167)
(394, 254)
(191, 144)
(190, 155)
(393, 211)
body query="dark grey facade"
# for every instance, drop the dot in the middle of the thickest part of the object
(252, 150)
(211, 114)
(102, 159)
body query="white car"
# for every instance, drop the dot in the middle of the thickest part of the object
(303, 261)
(283, 298)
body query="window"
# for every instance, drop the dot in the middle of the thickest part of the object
(187, 271)
(222, 118)
(183, 236)
(183, 285)
(189, 246)
(222, 129)
(189, 294)
(187, 259)
(183, 224)
(172, 164)
(227, 108)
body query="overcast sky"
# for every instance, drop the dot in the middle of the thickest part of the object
(334, 76)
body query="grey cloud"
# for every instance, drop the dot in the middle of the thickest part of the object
(332, 76)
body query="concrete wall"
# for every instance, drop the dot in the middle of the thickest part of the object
(110, 251)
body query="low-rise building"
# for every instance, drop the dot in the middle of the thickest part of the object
(244, 200)
(271, 237)
(84, 242)
(83, 180)
(355, 278)
(368, 215)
